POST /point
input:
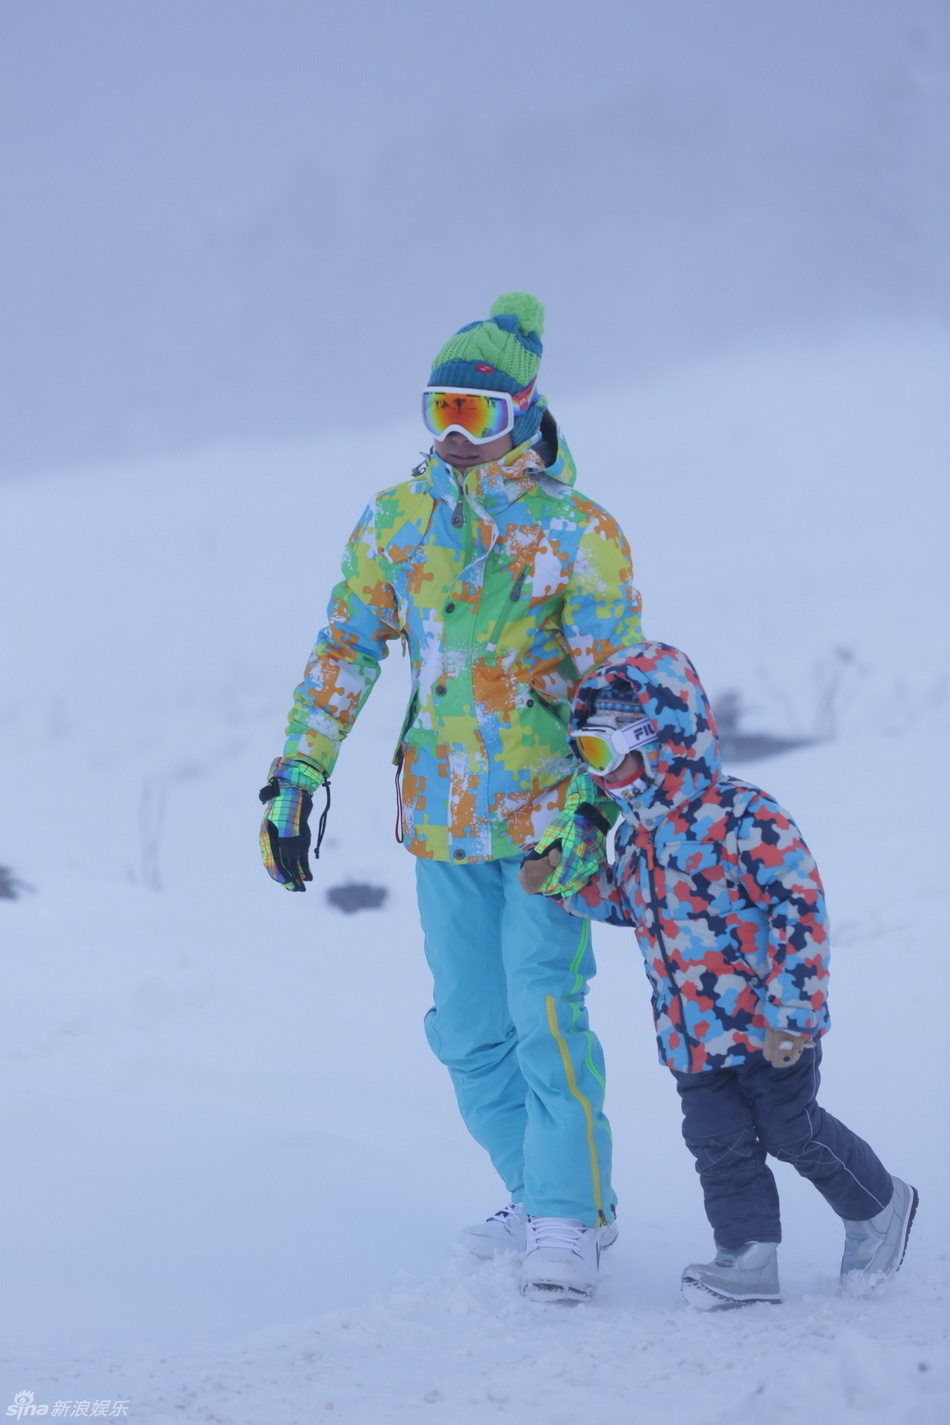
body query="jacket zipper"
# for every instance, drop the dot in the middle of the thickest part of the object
(407, 722)
(398, 759)
(661, 946)
(400, 810)
(458, 521)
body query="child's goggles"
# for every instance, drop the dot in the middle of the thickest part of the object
(603, 747)
(480, 416)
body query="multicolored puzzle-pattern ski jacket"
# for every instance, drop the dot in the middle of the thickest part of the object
(723, 893)
(506, 586)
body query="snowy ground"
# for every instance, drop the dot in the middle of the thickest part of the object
(234, 1173)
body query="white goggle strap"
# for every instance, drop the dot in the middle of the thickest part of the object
(637, 734)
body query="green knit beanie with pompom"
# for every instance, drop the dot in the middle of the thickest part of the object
(502, 353)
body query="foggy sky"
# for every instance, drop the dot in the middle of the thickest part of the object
(224, 219)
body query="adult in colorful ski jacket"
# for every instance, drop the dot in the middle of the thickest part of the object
(729, 912)
(506, 585)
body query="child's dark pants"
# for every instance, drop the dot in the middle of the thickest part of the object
(733, 1117)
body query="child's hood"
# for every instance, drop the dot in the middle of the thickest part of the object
(686, 758)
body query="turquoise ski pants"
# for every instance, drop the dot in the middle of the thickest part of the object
(510, 975)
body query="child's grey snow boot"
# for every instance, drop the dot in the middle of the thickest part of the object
(739, 1276)
(502, 1232)
(875, 1249)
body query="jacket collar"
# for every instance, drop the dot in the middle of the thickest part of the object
(498, 484)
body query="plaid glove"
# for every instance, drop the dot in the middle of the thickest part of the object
(285, 833)
(574, 847)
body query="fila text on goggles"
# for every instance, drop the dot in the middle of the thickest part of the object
(603, 747)
(480, 416)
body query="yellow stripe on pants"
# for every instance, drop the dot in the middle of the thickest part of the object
(584, 1103)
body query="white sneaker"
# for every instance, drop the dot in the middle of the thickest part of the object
(562, 1258)
(504, 1231)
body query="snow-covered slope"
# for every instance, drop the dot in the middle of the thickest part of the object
(234, 1173)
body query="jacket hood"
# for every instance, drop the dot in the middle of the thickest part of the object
(686, 759)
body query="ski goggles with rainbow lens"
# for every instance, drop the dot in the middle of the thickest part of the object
(480, 416)
(604, 747)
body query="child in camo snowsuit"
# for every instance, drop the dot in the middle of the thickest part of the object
(730, 914)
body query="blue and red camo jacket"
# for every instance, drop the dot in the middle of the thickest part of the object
(714, 876)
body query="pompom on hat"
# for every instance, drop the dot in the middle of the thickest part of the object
(500, 354)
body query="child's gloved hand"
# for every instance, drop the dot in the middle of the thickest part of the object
(571, 852)
(782, 1048)
(537, 866)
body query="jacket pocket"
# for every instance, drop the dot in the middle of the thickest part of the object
(690, 856)
(559, 710)
(695, 879)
